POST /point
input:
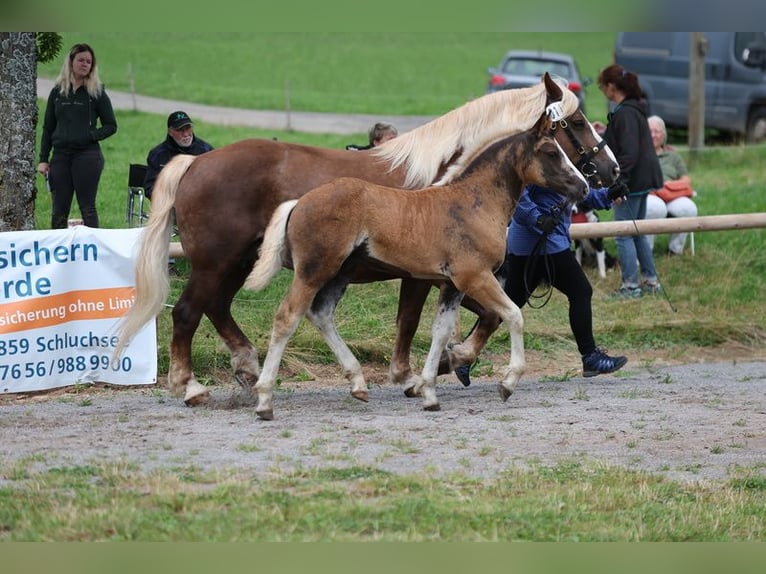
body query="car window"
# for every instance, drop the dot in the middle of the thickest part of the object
(516, 66)
(560, 69)
(536, 67)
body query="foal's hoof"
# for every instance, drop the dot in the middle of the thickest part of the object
(266, 415)
(410, 392)
(432, 408)
(504, 393)
(363, 396)
(196, 395)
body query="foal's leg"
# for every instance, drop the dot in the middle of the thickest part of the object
(412, 297)
(465, 353)
(486, 290)
(444, 323)
(322, 315)
(292, 309)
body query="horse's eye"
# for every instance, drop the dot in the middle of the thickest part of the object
(549, 148)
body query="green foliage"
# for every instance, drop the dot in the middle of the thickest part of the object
(48, 46)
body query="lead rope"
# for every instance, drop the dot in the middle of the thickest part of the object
(539, 253)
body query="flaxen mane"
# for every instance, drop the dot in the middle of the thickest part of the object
(469, 128)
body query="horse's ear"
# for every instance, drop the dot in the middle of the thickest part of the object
(555, 93)
(543, 125)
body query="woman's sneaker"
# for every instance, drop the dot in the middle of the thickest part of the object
(599, 363)
(650, 288)
(626, 293)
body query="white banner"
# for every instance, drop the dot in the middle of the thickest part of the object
(62, 293)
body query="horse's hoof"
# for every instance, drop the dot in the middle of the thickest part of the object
(245, 380)
(504, 393)
(432, 408)
(196, 394)
(463, 375)
(363, 396)
(410, 392)
(266, 415)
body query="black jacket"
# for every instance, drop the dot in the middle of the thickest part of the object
(70, 123)
(628, 135)
(163, 153)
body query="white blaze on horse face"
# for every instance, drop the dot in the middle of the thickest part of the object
(571, 165)
(606, 148)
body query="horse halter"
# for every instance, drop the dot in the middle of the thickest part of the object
(586, 165)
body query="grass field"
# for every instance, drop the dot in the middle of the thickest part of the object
(377, 73)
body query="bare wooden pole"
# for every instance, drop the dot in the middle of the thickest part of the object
(697, 51)
(668, 225)
(645, 227)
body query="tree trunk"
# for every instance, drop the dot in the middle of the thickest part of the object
(18, 120)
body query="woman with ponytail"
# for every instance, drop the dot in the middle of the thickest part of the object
(628, 135)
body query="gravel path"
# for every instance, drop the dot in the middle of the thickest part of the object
(687, 422)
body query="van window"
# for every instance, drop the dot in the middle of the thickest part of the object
(744, 41)
(656, 43)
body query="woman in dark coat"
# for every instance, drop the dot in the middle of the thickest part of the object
(627, 134)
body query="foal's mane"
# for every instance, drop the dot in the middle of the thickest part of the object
(467, 130)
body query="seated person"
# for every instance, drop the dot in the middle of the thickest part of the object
(379, 133)
(180, 139)
(673, 169)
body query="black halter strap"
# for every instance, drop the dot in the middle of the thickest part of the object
(585, 164)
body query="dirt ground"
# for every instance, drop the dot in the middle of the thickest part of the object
(692, 421)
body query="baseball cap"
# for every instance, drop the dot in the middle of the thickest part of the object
(179, 119)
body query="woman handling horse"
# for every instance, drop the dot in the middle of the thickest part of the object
(540, 251)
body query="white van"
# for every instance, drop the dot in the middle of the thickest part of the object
(735, 78)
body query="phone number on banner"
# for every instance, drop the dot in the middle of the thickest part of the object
(63, 365)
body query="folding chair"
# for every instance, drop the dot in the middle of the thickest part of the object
(135, 216)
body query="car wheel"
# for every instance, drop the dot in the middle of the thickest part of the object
(756, 126)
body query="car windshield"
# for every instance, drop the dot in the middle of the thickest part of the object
(535, 67)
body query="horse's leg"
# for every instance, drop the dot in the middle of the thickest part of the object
(449, 305)
(487, 291)
(412, 296)
(322, 315)
(187, 313)
(292, 309)
(244, 356)
(465, 353)
(454, 336)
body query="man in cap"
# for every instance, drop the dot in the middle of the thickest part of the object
(180, 139)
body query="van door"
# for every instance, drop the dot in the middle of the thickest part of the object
(730, 84)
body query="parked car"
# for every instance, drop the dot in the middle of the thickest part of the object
(522, 68)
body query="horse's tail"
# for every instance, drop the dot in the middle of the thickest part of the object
(151, 272)
(270, 258)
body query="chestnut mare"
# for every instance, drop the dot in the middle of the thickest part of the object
(223, 201)
(453, 233)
